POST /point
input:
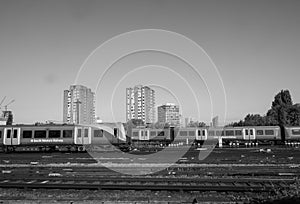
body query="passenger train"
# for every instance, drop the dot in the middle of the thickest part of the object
(59, 137)
(223, 135)
(73, 137)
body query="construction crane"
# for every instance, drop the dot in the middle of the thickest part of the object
(9, 104)
(2, 101)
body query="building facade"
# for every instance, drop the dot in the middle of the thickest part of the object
(140, 104)
(169, 113)
(79, 105)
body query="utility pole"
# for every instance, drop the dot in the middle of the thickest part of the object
(77, 102)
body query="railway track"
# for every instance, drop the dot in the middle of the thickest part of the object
(143, 183)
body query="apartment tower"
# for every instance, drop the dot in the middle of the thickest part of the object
(79, 105)
(140, 104)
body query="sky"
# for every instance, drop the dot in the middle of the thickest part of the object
(253, 44)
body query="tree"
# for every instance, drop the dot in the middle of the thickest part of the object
(282, 113)
(293, 115)
(280, 108)
(253, 120)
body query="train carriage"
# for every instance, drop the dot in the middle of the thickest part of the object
(267, 133)
(292, 134)
(58, 137)
(186, 135)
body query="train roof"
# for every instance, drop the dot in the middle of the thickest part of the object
(46, 125)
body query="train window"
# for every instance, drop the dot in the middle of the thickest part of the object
(183, 133)
(135, 134)
(218, 133)
(259, 132)
(78, 132)
(191, 133)
(67, 133)
(152, 133)
(296, 131)
(40, 134)
(269, 132)
(246, 132)
(86, 132)
(238, 132)
(116, 132)
(15, 133)
(229, 133)
(0, 134)
(199, 132)
(251, 132)
(162, 133)
(27, 134)
(8, 133)
(211, 133)
(203, 132)
(54, 133)
(98, 133)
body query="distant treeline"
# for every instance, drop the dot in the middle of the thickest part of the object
(282, 112)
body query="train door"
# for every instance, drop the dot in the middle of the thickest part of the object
(78, 136)
(16, 133)
(7, 136)
(12, 136)
(201, 134)
(144, 135)
(249, 134)
(87, 135)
